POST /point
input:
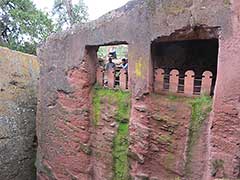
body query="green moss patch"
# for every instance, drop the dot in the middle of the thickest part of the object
(120, 151)
(116, 97)
(201, 108)
(172, 97)
(217, 165)
(121, 101)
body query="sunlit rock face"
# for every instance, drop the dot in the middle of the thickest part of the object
(19, 75)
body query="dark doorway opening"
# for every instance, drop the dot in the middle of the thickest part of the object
(198, 55)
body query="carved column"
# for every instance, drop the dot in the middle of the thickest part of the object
(100, 76)
(174, 81)
(123, 79)
(111, 77)
(206, 83)
(189, 83)
(159, 79)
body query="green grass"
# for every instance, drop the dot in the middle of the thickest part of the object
(201, 107)
(121, 100)
(172, 97)
(96, 106)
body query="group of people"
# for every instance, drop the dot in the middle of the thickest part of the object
(112, 65)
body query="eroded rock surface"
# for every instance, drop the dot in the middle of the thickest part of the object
(19, 74)
(159, 137)
(66, 138)
(110, 134)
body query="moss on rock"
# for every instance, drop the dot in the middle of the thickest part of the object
(201, 108)
(121, 100)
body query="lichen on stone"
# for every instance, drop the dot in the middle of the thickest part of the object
(165, 139)
(151, 4)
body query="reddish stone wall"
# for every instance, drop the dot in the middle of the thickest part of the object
(67, 77)
(102, 142)
(158, 132)
(225, 132)
(64, 149)
(106, 135)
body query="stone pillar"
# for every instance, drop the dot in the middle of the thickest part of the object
(159, 79)
(174, 81)
(64, 120)
(189, 83)
(206, 83)
(100, 76)
(123, 79)
(111, 78)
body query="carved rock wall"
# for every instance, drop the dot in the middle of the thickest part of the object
(19, 75)
(67, 78)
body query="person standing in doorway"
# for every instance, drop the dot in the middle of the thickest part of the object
(110, 64)
(124, 64)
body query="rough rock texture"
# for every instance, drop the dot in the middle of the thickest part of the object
(109, 143)
(68, 62)
(159, 134)
(102, 144)
(225, 130)
(198, 163)
(19, 75)
(64, 143)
